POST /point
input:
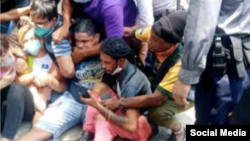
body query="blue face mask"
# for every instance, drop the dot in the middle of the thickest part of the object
(41, 32)
(8, 62)
(82, 1)
(32, 47)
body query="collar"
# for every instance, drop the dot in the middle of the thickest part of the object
(127, 72)
(164, 55)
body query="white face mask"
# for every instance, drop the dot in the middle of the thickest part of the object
(8, 62)
(117, 70)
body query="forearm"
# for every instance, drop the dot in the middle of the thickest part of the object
(110, 115)
(67, 12)
(93, 51)
(144, 49)
(146, 100)
(26, 79)
(57, 85)
(14, 14)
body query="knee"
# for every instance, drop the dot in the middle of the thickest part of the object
(161, 117)
(100, 88)
(16, 92)
(100, 117)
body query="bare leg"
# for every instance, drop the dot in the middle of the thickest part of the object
(39, 103)
(177, 127)
(36, 134)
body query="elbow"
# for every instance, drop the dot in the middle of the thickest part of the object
(132, 128)
(68, 72)
(157, 99)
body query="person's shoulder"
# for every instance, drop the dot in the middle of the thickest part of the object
(107, 4)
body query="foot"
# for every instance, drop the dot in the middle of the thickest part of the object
(87, 136)
(178, 136)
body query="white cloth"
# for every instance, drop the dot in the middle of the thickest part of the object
(42, 64)
(160, 6)
(149, 8)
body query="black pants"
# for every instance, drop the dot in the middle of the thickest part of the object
(17, 106)
(241, 114)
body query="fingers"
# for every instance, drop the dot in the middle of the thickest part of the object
(184, 101)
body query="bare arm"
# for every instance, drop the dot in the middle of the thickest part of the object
(57, 82)
(128, 121)
(66, 66)
(26, 79)
(147, 100)
(63, 32)
(67, 12)
(95, 50)
(14, 14)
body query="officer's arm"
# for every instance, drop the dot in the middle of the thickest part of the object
(199, 32)
(14, 14)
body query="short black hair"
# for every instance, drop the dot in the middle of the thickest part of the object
(87, 26)
(116, 48)
(44, 9)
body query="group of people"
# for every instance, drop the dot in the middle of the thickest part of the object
(121, 68)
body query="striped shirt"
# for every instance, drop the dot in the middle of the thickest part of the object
(57, 50)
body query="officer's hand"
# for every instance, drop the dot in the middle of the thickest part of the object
(60, 34)
(180, 92)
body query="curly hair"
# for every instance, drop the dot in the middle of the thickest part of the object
(115, 47)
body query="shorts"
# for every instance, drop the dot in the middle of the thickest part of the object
(62, 115)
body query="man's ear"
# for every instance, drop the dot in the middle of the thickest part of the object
(121, 62)
(54, 20)
(97, 38)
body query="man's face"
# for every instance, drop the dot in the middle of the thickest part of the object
(83, 40)
(157, 44)
(108, 63)
(42, 22)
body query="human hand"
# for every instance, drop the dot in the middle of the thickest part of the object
(180, 92)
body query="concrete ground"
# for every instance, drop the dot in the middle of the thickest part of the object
(186, 118)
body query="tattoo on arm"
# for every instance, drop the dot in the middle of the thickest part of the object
(117, 119)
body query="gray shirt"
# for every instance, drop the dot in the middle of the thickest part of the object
(207, 18)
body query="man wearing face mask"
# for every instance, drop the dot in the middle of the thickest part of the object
(120, 74)
(68, 110)
(46, 19)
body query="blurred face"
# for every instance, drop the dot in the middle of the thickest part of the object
(32, 45)
(42, 22)
(6, 59)
(29, 36)
(157, 44)
(2, 51)
(108, 63)
(83, 40)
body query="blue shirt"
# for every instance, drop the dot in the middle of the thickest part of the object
(132, 82)
(88, 72)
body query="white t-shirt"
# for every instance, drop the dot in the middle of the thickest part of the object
(42, 64)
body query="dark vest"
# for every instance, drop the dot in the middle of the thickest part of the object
(159, 74)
